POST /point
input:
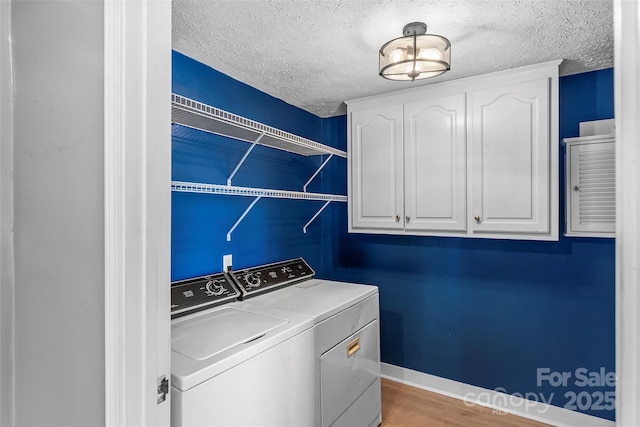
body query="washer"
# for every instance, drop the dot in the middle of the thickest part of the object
(235, 363)
(346, 350)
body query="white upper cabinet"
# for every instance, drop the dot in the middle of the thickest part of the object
(509, 143)
(376, 168)
(435, 164)
(476, 157)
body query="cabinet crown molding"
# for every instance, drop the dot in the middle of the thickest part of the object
(548, 69)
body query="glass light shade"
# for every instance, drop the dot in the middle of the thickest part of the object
(399, 61)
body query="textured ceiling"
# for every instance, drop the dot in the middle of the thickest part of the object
(315, 54)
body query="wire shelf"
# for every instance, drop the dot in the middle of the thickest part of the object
(257, 194)
(196, 115)
(196, 187)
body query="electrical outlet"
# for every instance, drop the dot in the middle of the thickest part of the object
(226, 262)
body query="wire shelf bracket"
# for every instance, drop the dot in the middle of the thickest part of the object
(317, 172)
(244, 158)
(304, 229)
(246, 211)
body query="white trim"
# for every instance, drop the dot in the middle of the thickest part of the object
(114, 191)
(7, 283)
(502, 402)
(627, 107)
(137, 87)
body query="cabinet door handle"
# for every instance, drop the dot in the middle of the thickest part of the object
(397, 218)
(353, 346)
(477, 218)
(408, 218)
(576, 188)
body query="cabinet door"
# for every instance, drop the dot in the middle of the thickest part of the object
(509, 140)
(375, 160)
(591, 193)
(435, 164)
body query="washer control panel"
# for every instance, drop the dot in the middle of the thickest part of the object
(191, 295)
(264, 278)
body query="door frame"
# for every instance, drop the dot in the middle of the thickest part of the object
(137, 348)
(627, 110)
(137, 196)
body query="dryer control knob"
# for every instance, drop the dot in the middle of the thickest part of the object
(252, 279)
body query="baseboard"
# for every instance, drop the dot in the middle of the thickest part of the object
(472, 395)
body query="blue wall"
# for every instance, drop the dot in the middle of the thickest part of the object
(491, 312)
(272, 231)
(484, 312)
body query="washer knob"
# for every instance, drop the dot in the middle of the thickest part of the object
(214, 288)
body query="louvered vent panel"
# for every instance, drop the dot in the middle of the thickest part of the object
(591, 189)
(597, 186)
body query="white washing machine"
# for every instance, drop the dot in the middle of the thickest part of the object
(346, 335)
(235, 363)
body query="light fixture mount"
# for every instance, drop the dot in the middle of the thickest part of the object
(414, 29)
(415, 56)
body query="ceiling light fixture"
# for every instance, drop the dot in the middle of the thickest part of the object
(415, 56)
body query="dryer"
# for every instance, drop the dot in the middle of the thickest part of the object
(235, 363)
(346, 336)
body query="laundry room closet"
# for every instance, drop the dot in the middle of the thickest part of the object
(484, 312)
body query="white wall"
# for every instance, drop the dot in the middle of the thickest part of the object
(59, 213)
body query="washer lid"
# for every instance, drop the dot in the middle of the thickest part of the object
(219, 331)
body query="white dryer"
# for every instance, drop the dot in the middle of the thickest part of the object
(347, 349)
(238, 364)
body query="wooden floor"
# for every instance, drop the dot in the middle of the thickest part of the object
(405, 406)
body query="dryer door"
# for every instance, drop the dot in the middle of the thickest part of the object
(347, 370)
